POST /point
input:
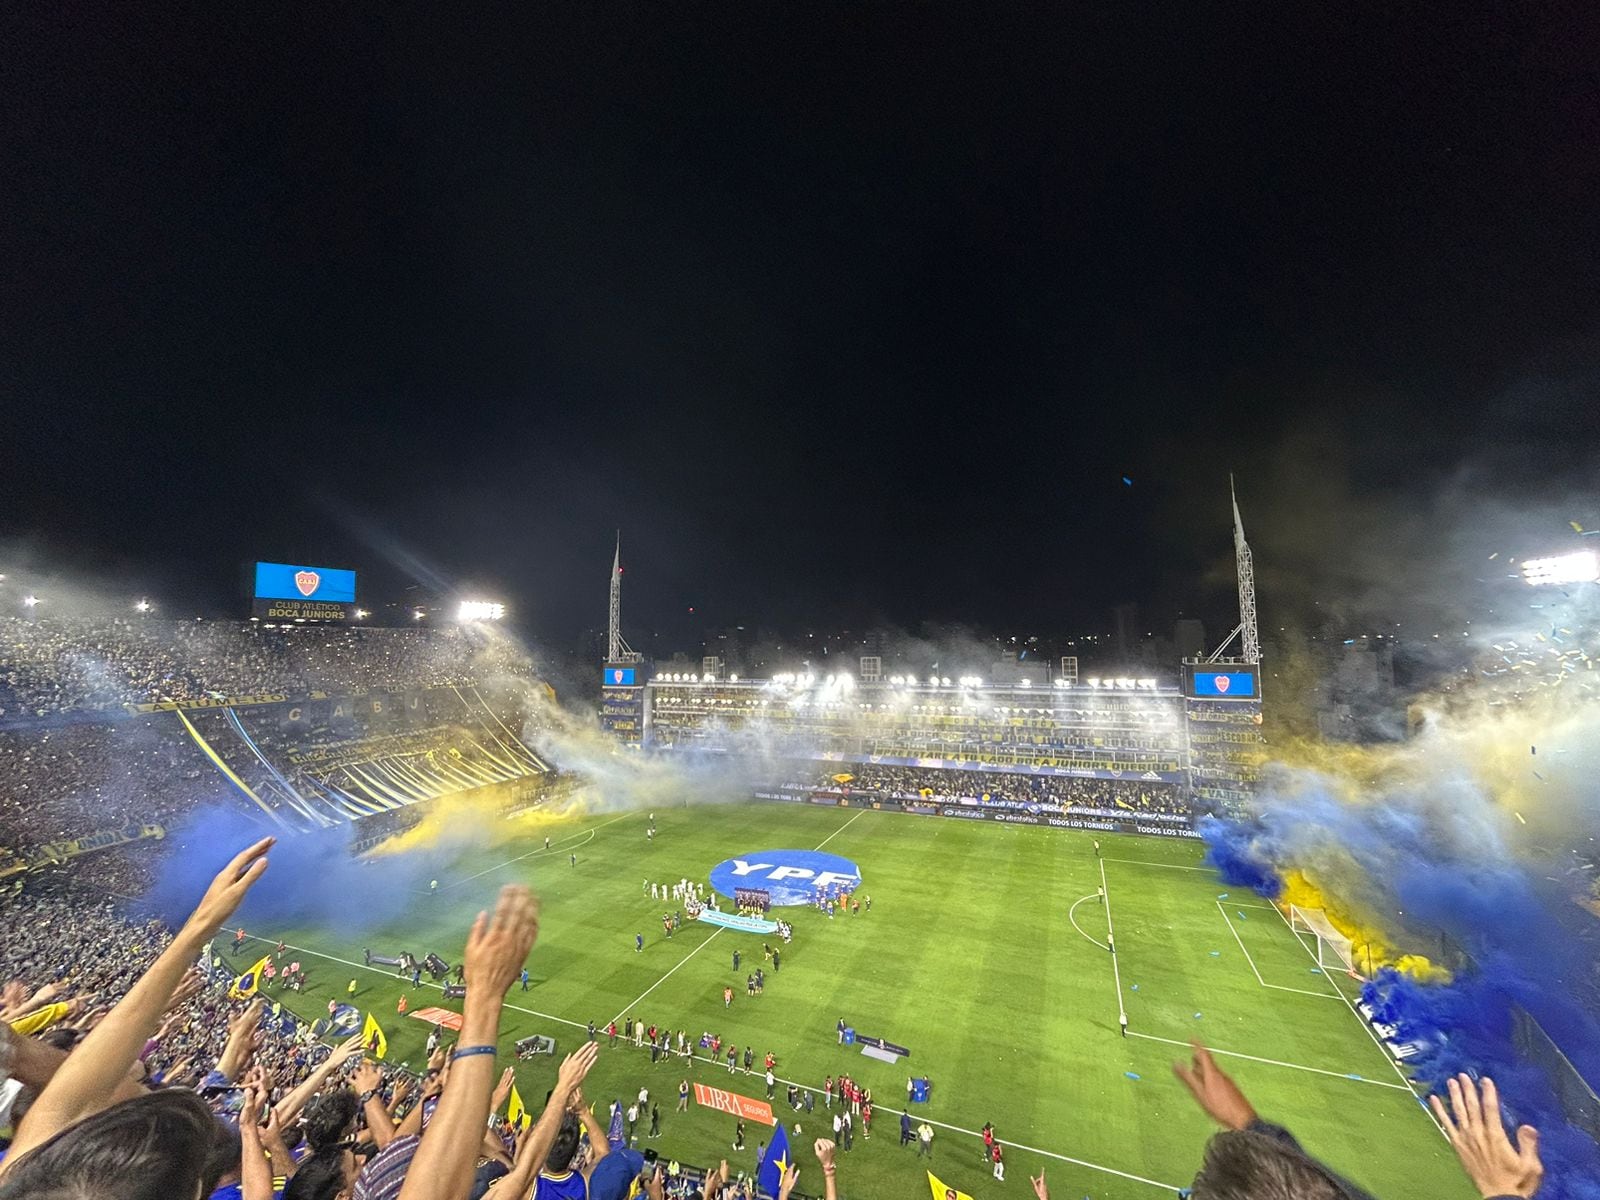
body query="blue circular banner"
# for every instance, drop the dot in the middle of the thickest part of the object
(790, 876)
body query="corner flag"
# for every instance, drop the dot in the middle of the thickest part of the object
(372, 1039)
(943, 1191)
(250, 982)
(769, 1174)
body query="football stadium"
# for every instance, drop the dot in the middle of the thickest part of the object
(961, 929)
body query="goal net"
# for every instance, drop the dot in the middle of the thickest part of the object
(1332, 946)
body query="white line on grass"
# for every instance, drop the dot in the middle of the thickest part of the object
(876, 1108)
(1111, 944)
(1362, 1021)
(1276, 1062)
(1075, 924)
(390, 974)
(841, 829)
(540, 850)
(1279, 987)
(1139, 862)
(627, 1008)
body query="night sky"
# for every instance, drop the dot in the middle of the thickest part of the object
(841, 313)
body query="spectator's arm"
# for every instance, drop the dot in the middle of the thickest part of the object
(88, 1080)
(599, 1143)
(255, 1175)
(543, 1134)
(367, 1079)
(496, 950)
(824, 1148)
(236, 1054)
(290, 1107)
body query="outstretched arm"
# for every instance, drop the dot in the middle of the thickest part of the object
(496, 949)
(88, 1079)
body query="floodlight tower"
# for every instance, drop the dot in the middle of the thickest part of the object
(1246, 630)
(1247, 584)
(617, 649)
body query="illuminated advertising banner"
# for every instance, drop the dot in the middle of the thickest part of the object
(1235, 683)
(288, 592)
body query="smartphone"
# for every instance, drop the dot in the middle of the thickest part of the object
(650, 1156)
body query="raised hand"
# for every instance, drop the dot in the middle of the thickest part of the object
(346, 1050)
(1477, 1133)
(1039, 1188)
(227, 890)
(575, 1067)
(498, 945)
(502, 1090)
(786, 1184)
(824, 1148)
(1214, 1090)
(366, 1077)
(248, 1019)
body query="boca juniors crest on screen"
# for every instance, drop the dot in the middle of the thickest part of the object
(291, 592)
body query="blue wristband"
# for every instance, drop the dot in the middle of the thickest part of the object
(469, 1051)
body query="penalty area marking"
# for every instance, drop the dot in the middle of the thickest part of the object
(586, 834)
(1075, 925)
(1371, 1033)
(1276, 1062)
(1255, 970)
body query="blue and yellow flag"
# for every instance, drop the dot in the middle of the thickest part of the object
(514, 1106)
(615, 1138)
(249, 983)
(770, 1171)
(943, 1191)
(372, 1039)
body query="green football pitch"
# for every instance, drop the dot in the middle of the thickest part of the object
(984, 954)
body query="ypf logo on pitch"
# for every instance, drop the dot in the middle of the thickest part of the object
(789, 876)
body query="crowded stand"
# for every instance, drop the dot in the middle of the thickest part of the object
(62, 665)
(1098, 797)
(1064, 729)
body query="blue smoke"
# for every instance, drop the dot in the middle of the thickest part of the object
(1468, 1027)
(312, 880)
(1431, 858)
(1230, 848)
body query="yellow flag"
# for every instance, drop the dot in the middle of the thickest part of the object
(372, 1039)
(943, 1191)
(514, 1108)
(249, 983)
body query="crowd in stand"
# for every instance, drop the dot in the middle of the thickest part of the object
(1103, 797)
(125, 1070)
(53, 665)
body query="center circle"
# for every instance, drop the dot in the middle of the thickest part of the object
(790, 877)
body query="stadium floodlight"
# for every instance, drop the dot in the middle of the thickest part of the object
(362, 614)
(480, 610)
(1582, 566)
(416, 614)
(30, 601)
(141, 606)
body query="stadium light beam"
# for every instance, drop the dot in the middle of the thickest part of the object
(480, 610)
(141, 606)
(30, 601)
(1582, 566)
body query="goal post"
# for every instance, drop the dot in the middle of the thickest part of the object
(1332, 946)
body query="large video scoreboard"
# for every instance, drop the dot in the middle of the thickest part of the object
(290, 592)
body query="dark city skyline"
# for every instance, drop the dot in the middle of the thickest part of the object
(843, 317)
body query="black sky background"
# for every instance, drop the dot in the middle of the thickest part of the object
(840, 313)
